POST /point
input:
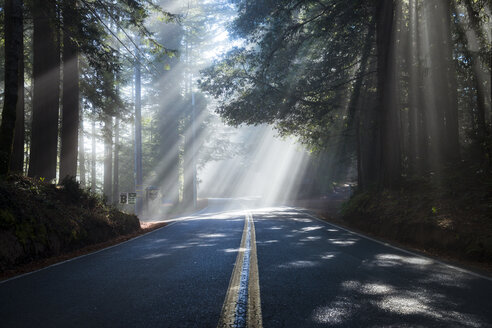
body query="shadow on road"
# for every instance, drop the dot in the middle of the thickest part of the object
(314, 274)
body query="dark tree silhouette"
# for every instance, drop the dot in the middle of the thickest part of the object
(13, 56)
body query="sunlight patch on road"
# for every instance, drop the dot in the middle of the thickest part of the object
(343, 242)
(312, 228)
(154, 256)
(403, 305)
(232, 250)
(350, 285)
(299, 264)
(336, 313)
(310, 238)
(303, 220)
(419, 303)
(267, 241)
(329, 255)
(211, 235)
(396, 260)
(180, 246)
(450, 279)
(376, 289)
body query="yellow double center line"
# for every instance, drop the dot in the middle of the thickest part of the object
(242, 305)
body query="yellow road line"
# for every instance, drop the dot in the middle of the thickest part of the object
(231, 316)
(254, 300)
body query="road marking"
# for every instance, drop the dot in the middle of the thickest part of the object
(242, 305)
(463, 270)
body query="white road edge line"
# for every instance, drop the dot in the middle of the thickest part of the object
(478, 275)
(95, 252)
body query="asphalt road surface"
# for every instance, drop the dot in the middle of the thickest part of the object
(232, 266)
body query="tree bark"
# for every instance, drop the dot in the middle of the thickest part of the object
(413, 90)
(451, 144)
(46, 91)
(390, 165)
(93, 155)
(17, 160)
(116, 164)
(13, 55)
(354, 109)
(187, 200)
(108, 158)
(82, 168)
(476, 41)
(70, 100)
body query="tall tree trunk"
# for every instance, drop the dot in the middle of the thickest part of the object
(138, 139)
(413, 90)
(475, 41)
(17, 160)
(13, 55)
(116, 165)
(440, 86)
(451, 144)
(422, 134)
(355, 109)
(187, 165)
(390, 166)
(82, 169)
(70, 100)
(46, 91)
(108, 158)
(93, 154)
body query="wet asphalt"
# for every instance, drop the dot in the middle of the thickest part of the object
(312, 274)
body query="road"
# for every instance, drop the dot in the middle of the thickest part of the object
(228, 266)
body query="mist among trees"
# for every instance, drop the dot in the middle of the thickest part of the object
(126, 95)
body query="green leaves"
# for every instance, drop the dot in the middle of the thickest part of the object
(295, 69)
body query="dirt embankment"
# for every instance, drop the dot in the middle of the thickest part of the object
(39, 220)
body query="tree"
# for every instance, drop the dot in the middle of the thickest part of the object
(108, 158)
(13, 56)
(70, 97)
(390, 170)
(298, 71)
(17, 160)
(82, 160)
(46, 75)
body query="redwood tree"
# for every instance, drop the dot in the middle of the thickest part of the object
(46, 90)
(13, 55)
(70, 100)
(17, 159)
(390, 171)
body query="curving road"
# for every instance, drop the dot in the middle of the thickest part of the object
(195, 271)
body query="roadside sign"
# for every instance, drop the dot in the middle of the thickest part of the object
(152, 192)
(123, 198)
(132, 198)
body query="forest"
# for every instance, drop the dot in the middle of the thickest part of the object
(387, 102)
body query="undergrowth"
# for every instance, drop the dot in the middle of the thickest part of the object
(39, 219)
(448, 211)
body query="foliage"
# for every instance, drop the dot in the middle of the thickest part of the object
(298, 60)
(446, 211)
(39, 219)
